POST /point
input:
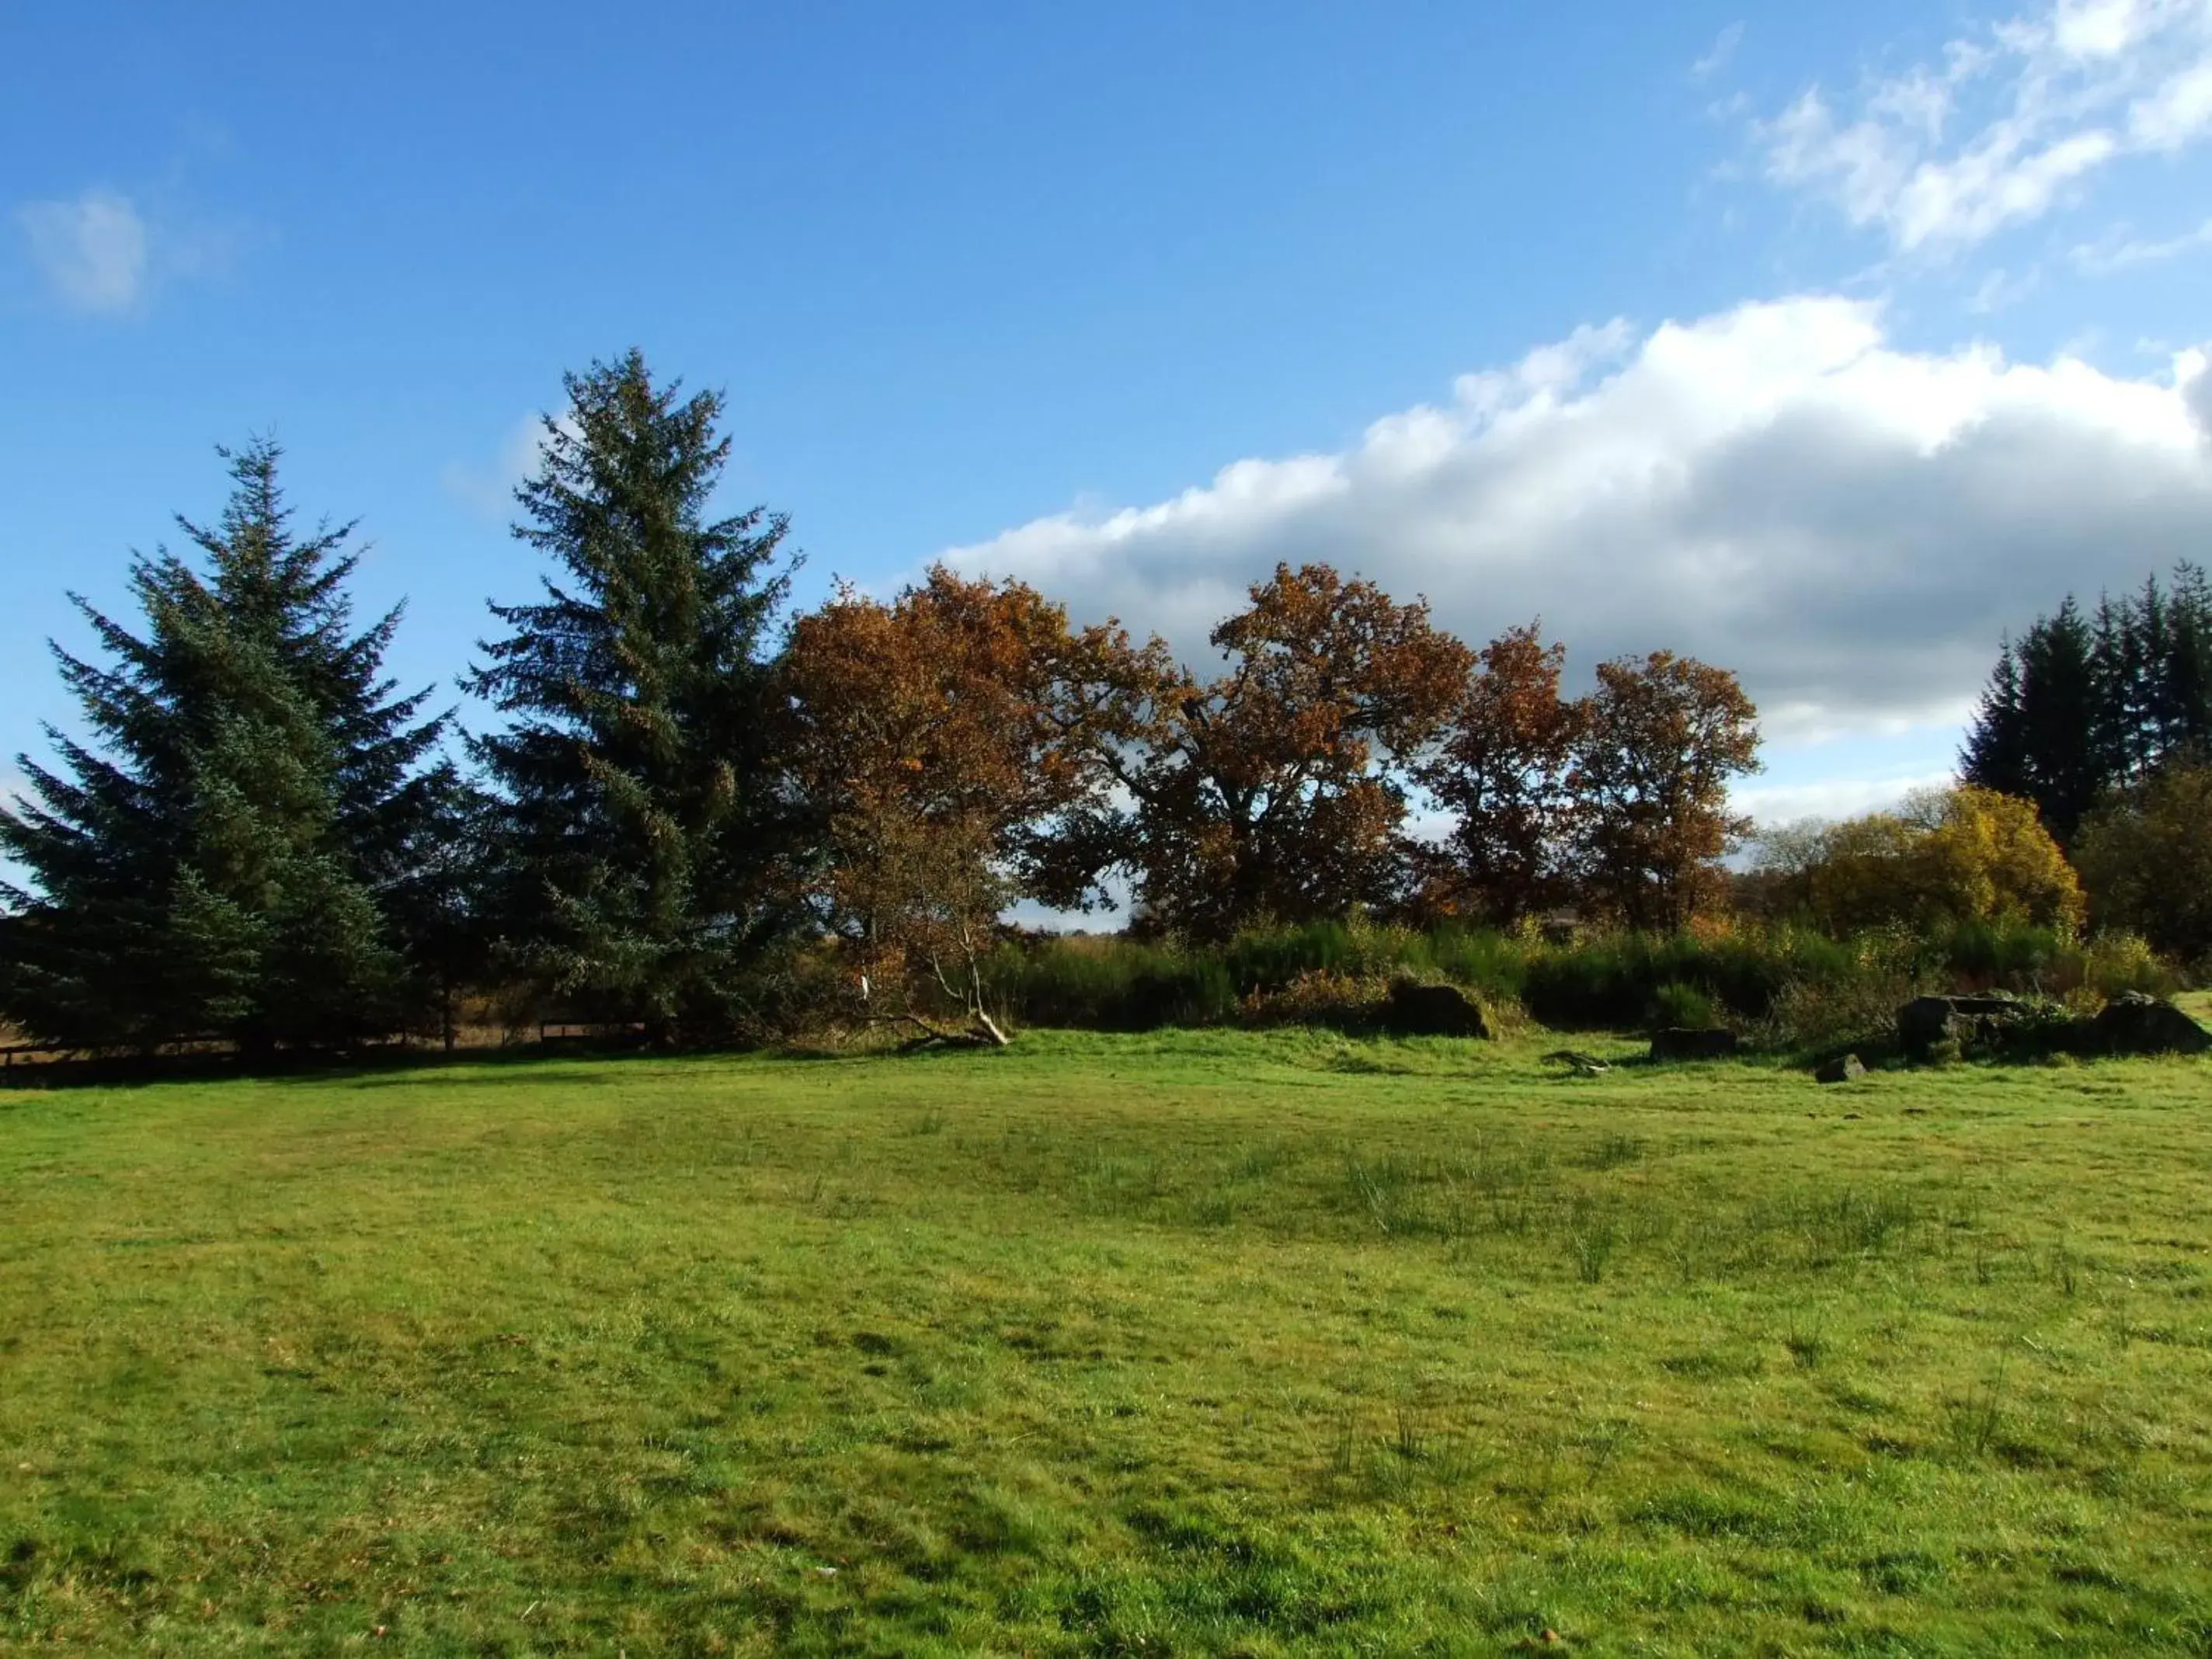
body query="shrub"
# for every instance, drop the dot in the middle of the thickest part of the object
(2119, 962)
(1610, 982)
(1347, 1002)
(1679, 1005)
(1197, 991)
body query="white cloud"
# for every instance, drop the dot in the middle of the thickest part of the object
(1722, 53)
(1831, 798)
(2007, 126)
(1776, 488)
(92, 252)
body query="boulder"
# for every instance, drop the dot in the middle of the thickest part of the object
(1849, 1069)
(1413, 1009)
(1970, 1022)
(2133, 1023)
(1693, 1042)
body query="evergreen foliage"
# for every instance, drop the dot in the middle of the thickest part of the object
(2081, 707)
(211, 860)
(642, 833)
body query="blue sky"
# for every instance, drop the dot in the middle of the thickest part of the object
(1825, 343)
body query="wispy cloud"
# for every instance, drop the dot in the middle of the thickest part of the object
(1720, 54)
(2120, 252)
(2010, 124)
(93, 251)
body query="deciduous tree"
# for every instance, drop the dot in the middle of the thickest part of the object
(1501, 771)
(936, 742)
(1949, 855)
(1660, 740)
(1276, 790)
(2146, 861)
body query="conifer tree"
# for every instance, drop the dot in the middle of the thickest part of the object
(1995, 755)
(2183, 669)
(641, 830)
(2080, 710)
(2062, 717)
(208, 862)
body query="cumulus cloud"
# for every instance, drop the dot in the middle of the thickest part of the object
(92, 251)
(1777, 489)
(2006, 125)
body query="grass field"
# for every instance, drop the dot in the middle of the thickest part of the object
(1201, 1343)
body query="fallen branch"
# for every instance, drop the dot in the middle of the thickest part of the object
(987, 1035)
(1583, 1065)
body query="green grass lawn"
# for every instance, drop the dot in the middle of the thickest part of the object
(1202, 1343)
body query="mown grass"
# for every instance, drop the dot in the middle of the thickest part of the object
(1198, 1343)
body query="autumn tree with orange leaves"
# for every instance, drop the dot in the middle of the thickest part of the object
(1660, 740)
(935, 741)
(1501, 772)
(1276, 790)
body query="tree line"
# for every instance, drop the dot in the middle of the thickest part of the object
(260, 838)
(2087, 706)
(2103, 721)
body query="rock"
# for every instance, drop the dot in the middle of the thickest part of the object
(2133, 1023)
(1414, 1010)
(1690, 1043)
(1926, 1023)
(1849, 1069)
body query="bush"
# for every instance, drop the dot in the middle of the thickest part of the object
(1344, 1002)
(1675, 1004)
(1611, 981)
(2121, 962)
(1197, 991)
(1812, 1015)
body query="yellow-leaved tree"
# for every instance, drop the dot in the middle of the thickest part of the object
(1961, 855)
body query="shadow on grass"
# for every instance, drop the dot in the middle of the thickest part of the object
(383, 1065)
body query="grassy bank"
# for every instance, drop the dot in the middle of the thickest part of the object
(1258, 1343)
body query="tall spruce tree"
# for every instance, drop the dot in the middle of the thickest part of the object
(2063, 715)
(2182, 671)
(1995, 755)
(209, 862)
(643, 832)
